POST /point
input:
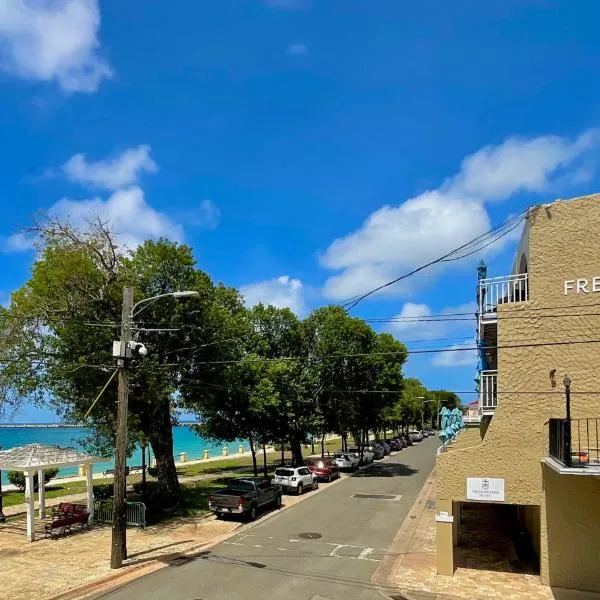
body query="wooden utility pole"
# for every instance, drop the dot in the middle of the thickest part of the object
(119, 533)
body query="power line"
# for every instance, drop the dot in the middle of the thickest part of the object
(492, 232)
(374, 354)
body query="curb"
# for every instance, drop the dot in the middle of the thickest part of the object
(384, 576)
(113, 581)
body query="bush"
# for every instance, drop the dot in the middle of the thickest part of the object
(17, 478)
(104, 491)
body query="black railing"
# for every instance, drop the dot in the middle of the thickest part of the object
(575, 443)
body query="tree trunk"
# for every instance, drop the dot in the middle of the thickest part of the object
(297, 459)
(312, 443)
(282, 452)
(344, 443)
(323, 445)
(254, 465)
(265, 469)
(161, 440)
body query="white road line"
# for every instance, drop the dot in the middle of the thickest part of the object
(337, 547)
(365, 553)
(284, 549)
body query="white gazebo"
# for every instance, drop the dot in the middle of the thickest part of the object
(39, 457)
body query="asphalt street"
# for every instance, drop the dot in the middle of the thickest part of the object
(324, 548)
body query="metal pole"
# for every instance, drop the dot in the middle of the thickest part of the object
(2, 515)
(119, 532)
(568, 426)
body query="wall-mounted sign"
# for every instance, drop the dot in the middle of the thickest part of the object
(489, 490)
(582, 286)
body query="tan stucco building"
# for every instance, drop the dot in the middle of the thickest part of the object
(535, 326)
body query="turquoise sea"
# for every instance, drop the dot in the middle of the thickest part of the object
(184, 440)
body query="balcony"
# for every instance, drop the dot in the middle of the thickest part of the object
(500, 290)
(574, 447)
(488, 392)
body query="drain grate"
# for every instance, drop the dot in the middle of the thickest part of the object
(377, 496)
(310, 536)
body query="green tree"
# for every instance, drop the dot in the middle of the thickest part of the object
(70, 311)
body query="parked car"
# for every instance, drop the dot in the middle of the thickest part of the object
(425, 433)
(324, 468)
(407, 441)
(415, 436)
(295, 479)
(245, 497)
(367, 456)
(377, 451)
(345, 461)
(386, 447)
(431, 432)
(396, 445)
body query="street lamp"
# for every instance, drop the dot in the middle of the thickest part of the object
(118, 551)
(567, 429)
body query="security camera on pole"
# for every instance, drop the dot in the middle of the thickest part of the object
(124, 350)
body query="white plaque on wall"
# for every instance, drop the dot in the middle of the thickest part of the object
(489, 490)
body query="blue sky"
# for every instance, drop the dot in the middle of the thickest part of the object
(307, 149)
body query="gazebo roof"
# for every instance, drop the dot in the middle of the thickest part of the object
(41, 456)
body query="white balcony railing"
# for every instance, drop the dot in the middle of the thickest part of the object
(488, 391)
(501, 290)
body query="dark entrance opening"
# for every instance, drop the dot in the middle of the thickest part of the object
(498, 537)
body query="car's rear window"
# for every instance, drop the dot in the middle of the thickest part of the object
(241, 486)
(284, 472)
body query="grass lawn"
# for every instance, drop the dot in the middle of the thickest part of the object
(195, 493)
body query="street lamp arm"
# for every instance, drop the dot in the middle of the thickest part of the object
(152, 299)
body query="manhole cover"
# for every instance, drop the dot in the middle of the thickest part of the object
(430, 504)
(310, 536)
(377, 496)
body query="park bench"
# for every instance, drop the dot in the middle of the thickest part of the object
(128, 470)
(64, 516)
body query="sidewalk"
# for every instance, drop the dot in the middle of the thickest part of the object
(409, 569)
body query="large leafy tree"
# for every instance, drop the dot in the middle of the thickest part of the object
(69, 311)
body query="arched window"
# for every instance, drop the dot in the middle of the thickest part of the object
(523, 265)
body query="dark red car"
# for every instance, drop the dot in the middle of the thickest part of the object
(323, 468)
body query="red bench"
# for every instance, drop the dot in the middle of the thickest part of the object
(64, 516)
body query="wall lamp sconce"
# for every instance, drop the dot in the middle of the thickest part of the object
(553, 378)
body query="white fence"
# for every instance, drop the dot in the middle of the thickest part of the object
(502, 290)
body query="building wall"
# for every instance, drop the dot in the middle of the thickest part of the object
(564, 244)
(573, 513)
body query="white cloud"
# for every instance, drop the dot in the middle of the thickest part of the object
(128, 214)
(497, 172)
(112, 173)
(282, 292)
(395, 239)
(206, 216)
(53, 40)
(297, 49)
(18, 242)
(418, 321)
(459, 355)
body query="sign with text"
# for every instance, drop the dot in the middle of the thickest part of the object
(582, 286)
(488, 490)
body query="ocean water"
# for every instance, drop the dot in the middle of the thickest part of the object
(184, 440)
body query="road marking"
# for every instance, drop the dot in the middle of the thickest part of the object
(365, 553)
(337, 547)
(284, 549)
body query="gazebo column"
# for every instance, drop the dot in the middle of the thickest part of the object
(29, 504)
(89, 485)
(42, 493)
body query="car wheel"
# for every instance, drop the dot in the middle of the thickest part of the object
(278, 501)
(252, 514)
(300, 489)
(315, 484)
(329, 478)
(219, 516)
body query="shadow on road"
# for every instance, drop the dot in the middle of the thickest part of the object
(386, 470)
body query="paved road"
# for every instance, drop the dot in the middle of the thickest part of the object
(273, 559)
